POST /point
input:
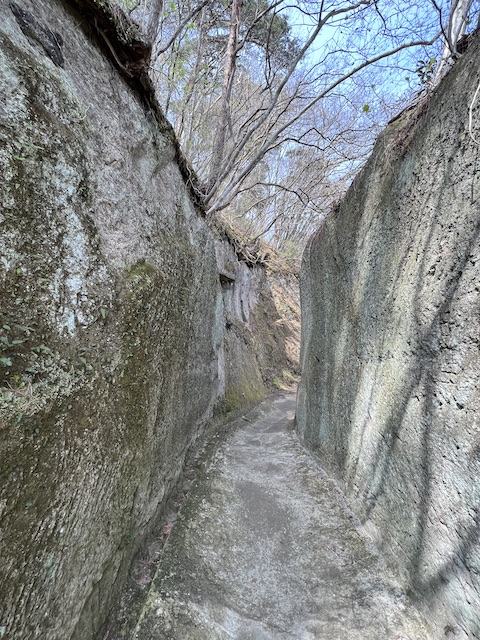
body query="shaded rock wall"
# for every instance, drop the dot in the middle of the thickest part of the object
(118, 339)
(390, 393)
(262, 331)
(243, 377)
(111, 323)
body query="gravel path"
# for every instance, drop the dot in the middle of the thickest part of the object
(265, 548)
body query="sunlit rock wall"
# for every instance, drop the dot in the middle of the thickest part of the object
(390, 392)
(111, 322)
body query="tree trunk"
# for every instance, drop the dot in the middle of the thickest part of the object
(228, 76)
(457, 23)
(155, 12)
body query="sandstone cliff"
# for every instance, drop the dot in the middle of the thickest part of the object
(112, 315)
(390, 392)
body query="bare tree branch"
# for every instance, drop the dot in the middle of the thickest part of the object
(230, 189)
(300, 55)
(181, 27)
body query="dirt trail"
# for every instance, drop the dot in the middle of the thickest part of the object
(265, 548)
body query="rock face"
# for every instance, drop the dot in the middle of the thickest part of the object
(112, 325)
(389, 397)
(261, 336)
(112, 320)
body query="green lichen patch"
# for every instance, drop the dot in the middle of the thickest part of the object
(142, 270)
(242, 396)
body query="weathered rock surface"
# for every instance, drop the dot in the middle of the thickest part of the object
(265, 549)
(390, 393)
(262, 327)
(109, 280)
(112, 316)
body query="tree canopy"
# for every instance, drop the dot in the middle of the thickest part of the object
(277, 104)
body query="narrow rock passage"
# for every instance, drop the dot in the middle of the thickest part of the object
(266, 549)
